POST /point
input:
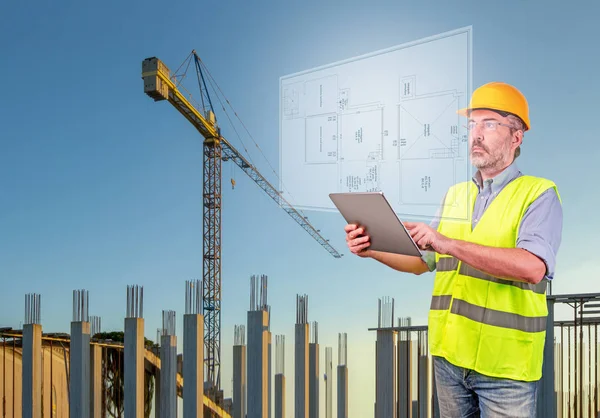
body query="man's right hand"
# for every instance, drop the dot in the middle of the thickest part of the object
(357, 241)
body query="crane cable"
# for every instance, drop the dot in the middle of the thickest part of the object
(210, 77)
(189, 61)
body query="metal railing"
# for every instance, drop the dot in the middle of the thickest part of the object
(570, 387)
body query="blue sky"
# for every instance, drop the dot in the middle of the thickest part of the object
(100, 187)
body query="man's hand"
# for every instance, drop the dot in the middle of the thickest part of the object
(357, 242)
(428, 238)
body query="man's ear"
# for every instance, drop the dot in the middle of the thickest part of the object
(517, 138)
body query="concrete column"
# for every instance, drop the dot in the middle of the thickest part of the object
(424, 397)
(257, 365)
(193, 366)
(279, 396)
(79, 381)
(168, 376)
(546, 404)
(32, 371)
(342, 391)
(404, 377)
(95, 381)
(328, 382)
(385, 379)
(239, 381)
(134, 368)
(313, 380)
(301, 371)
(269, 372)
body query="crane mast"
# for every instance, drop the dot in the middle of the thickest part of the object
(159, 86)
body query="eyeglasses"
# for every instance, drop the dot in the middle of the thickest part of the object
(488, 125)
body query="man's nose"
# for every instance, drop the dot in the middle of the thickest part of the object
(476, 136)
(477, 131)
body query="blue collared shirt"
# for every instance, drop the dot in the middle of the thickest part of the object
(540, 232)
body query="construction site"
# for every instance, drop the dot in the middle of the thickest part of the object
(344, 351)
(88, 373)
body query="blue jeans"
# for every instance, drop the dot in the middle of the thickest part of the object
(464, 393)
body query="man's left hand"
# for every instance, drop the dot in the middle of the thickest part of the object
(428, 238)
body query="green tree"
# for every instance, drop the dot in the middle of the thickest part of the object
(114, 378)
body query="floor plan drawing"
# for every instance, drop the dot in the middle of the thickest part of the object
(385, 121)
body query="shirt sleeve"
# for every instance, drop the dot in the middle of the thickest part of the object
(540, 231)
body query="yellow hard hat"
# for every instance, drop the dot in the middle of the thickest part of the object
(499, 97)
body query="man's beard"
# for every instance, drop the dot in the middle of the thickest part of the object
(489, 160)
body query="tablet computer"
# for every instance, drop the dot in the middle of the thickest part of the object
(373, 211)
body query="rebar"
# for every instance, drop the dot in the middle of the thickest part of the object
(81, 300)
(33, 303)
(404, 334)
(95, 325)
(193, 297)
(301, 309)
(258, 293)
(168, 323)
(385, 312)
(239, 335)
(314, 332)
(342, 348)
(135, 301)
(279, 354)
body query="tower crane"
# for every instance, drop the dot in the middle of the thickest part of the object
(159, 85)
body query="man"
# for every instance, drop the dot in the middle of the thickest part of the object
(488, 311)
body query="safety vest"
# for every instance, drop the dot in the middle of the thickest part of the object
(477, 321)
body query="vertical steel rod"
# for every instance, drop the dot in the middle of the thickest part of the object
(13, 376)
(589, 401)
(3, 376)
(51, 378)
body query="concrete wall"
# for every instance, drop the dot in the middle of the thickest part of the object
(55, 391)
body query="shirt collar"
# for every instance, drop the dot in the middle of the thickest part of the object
(497, 183)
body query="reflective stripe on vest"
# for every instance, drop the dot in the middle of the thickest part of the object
(489, 316)
(451, 263)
